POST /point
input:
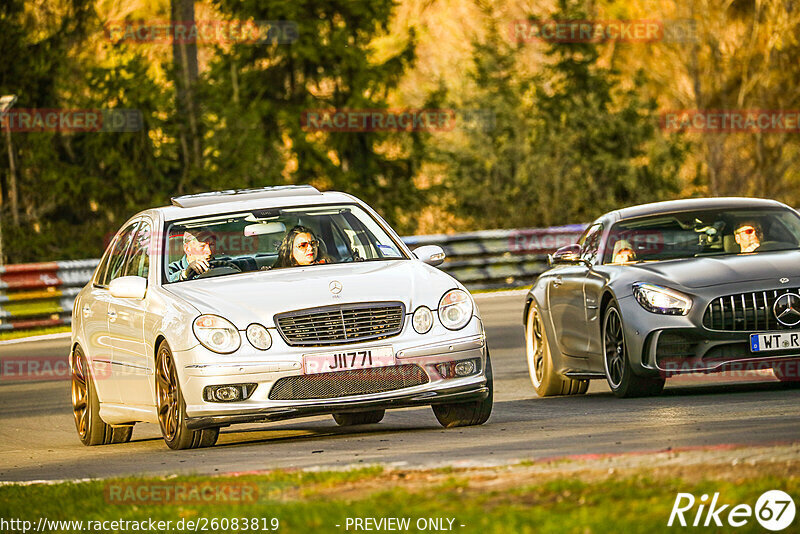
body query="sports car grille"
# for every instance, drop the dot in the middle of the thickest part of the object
(346, 383)
(331, 325)
(745, 311)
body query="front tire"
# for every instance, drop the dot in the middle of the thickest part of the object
(172, 407)
(92, 430)
(546, 381)
(616, 361)
(468, 413)
(359, 418)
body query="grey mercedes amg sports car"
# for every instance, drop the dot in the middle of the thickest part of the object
(700, 285)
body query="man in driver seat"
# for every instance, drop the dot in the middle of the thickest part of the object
(198, 247)
(748, 236)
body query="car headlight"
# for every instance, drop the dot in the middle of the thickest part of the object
(216, 333)
(259, 337)
(455, 309)
(658, 299)
(422, 320)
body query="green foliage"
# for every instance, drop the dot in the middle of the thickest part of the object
(569, 143)
(262, 91)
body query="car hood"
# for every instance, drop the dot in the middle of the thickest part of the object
(256, 297)
(718, 270)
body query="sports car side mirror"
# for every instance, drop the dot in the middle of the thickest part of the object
(430, 254)
(567, 254)
(128, 287)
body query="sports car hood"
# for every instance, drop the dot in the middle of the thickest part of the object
(258, 296)
(718, 270)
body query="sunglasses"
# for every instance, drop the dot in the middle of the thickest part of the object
(749, 230)
(306, 244)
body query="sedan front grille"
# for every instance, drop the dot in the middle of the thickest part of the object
(347, 383)
(745, 311)
(333, 325)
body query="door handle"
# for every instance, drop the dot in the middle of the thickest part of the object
(112, 315)
(87, 311)
(557, 281)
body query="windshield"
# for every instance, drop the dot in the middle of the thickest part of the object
(702, 233)
(270, 239)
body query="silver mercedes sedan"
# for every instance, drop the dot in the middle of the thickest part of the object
(267, 304)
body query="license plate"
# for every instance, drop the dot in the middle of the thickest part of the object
(328, 362)
(774, 341)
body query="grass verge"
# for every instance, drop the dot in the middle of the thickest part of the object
(560, 496)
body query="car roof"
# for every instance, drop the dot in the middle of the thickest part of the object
(692, 204)
(189, 206)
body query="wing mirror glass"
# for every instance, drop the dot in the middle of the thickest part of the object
(567, 254)
(430, 254)
(128, 287)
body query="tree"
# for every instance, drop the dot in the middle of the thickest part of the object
(262, 92)
(569, 144)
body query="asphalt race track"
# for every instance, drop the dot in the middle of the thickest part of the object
(38, 439)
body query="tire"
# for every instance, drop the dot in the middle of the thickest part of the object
(172, 407)
(616, 362)
(92, 430)
(468, 413)
(546, 381)
(787, 371)
(359, 418)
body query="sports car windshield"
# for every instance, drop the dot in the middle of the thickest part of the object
(251, 241)
(702, 233)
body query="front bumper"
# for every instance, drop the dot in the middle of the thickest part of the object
(668, 345)
(463, 393)
(197, 370)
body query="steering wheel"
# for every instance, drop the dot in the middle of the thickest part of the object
(223, 262)
(219, 263)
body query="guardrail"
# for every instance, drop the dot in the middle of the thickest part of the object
(40, 295)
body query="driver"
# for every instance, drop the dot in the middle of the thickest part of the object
(623, 252)
(748, 235)
(198, 247)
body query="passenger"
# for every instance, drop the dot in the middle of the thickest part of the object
(300, 247)
(748, 235)
(198, 247)
(623, 252)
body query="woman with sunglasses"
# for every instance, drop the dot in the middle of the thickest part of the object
(300, 247)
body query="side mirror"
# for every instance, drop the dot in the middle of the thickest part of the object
(128, 287)
(430, 254)
(567, 254)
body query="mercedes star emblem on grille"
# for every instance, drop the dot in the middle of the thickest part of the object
(335, 287)
(787, 309)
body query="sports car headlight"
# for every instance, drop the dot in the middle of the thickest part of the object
(422, 320)
(216, 333)
(657, 299)
(259, 337)
(455, 309)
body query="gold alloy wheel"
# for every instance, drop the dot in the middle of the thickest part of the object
(167, 391)
(80, 393)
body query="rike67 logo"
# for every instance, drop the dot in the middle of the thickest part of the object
(774, 510)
